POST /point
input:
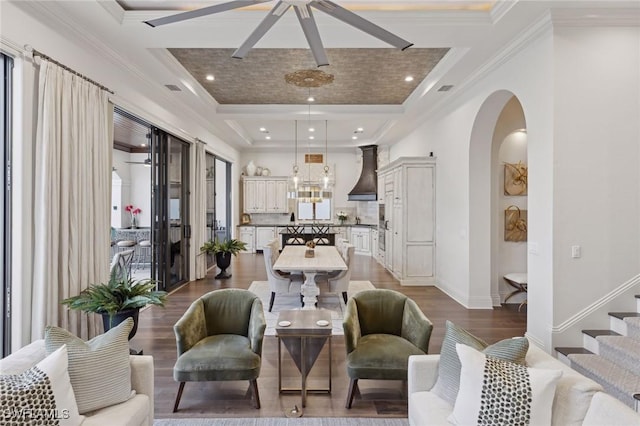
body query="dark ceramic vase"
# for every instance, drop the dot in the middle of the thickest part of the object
(223, 260)
(118, 317)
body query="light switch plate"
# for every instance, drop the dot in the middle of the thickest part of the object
(576, 252)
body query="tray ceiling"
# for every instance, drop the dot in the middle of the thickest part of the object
(373, 76)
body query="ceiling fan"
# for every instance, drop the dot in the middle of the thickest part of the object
(147, 161)
(305, 16)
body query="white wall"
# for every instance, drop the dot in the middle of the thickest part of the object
(596, 158)
(509, 146)
(580, 92)
(463, 252)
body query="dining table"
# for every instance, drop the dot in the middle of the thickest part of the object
(325, 259)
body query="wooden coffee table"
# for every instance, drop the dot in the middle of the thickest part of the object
(303, 339)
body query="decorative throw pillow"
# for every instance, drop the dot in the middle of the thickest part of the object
(40, 395)
(498, 392)
(446, 387)
(99, 369)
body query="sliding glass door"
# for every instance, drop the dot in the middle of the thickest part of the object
(170, 197)
(5, 204)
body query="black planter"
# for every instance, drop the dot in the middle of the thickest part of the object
(118, 317)
(223, 260)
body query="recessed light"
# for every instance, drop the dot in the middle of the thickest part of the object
(143, 144)
(263, 129)
(210, 77)
(311, 129)
(355, 138)
(408, 78)
(268, 138)
(312, 137)
(359, 130)
(311, 99)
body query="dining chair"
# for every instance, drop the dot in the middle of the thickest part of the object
(121, 265)
(279, 282)
(382, 328)
(339, 283)
(320, 235)
(295, 236)
(220, 338)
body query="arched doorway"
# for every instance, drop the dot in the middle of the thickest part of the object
(500, 120)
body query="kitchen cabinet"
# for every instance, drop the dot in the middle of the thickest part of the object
(264, 195)
(361, 240)
(246, 234)
(276, 196)
(264, 235)
(410, 207)
(342, 232)
(279, 231)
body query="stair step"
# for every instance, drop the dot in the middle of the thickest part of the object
(633, 327)
(623, 350)
(623, 315)
(617, 381)
(596, 333)
(568, 351)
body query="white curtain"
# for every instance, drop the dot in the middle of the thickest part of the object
(200, 206)
(71, 198)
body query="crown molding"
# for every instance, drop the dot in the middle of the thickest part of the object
(596, 17)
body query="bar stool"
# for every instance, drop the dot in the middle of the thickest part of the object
(519, 281)
(144, 253)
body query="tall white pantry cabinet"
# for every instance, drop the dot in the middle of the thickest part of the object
(409, 185)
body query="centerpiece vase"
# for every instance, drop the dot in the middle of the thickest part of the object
(134, 223)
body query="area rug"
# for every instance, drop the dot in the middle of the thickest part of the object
(303, 421)
(283, 302)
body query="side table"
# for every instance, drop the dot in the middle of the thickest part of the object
(303, 339)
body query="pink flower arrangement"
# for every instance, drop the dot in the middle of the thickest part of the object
(133, 211)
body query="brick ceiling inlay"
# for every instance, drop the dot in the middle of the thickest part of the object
(362, 76)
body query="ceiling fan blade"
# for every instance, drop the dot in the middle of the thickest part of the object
(305, 16)
(362, 24)
(278, 10)
(235, 4)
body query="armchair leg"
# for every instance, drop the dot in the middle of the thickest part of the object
(344, 296)
(180, 389)
(273, 297)
(253, 385)
(353, 388)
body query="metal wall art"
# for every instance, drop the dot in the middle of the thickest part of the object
(515, 224)
(515, 179)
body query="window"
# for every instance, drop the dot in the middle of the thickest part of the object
(315, 211)
(5, 203)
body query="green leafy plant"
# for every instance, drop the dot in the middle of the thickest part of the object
(116, 296)
(232, 246)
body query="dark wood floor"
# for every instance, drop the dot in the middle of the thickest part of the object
(228, 399)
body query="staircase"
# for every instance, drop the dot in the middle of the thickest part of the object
(611, 357)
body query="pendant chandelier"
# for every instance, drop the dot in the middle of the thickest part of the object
(308, 188)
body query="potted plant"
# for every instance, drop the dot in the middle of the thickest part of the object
(117, 300)
(223, 251)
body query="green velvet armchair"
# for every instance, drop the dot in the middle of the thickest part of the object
(220, 338)
(382, 328)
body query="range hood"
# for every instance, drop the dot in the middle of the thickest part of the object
(366, 188)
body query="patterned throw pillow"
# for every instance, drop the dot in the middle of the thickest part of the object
(446, 387)
(41, 395)
(498, 392)
(99, 369)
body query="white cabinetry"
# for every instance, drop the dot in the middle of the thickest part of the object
(410, 209)
(246, 234)
(264, 195)
(361, 240)
(264, 234)
(374, 243)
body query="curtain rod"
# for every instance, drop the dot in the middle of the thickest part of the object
(34, 52)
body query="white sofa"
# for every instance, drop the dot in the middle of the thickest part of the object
(578, 400)
(137, 411)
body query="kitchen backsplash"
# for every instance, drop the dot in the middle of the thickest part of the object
(367, 211)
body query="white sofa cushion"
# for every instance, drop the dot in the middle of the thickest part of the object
(99, 369)
(41, 394)
(494, 391)
(428, 409)
(133, 412)
(604, 409)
